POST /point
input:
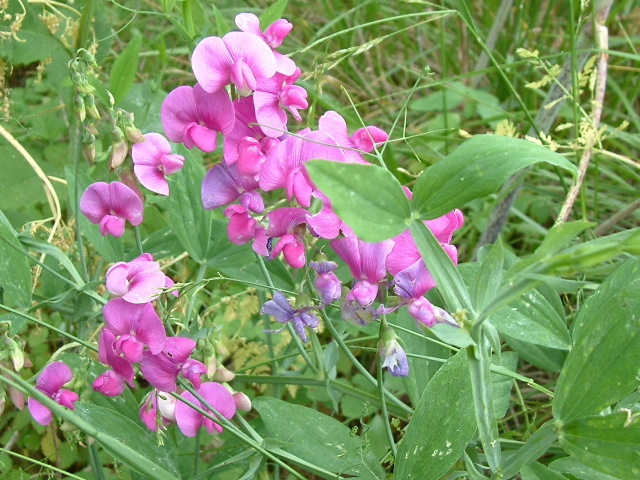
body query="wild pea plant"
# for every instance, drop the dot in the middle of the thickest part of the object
(356, 278)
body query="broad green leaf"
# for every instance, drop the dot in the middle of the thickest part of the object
(448, 280)
(167, 5)
(110, 248)
(442, 424)
(124, 69)
(368, 198)
(187, 217)
(53, 251)
(502, 384)
(572, 466)
(609, 443)
(537, 471)
(533, 448)
(489, 276)
(222, 26)
(15, 272)
(475, 169)
(533, 319)
(316, 439)
(273, 13)
(601, 368)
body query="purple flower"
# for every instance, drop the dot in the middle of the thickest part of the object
(50, 382)
(238, 57)
(109, 205)
(327, 283)
(112, 381)
(223, 184)
(194, 117)
(153, 161)
(137, 281)
(189, 420)
(393, 356)
(134, 325)
(273, 36)
(162, 369)
(366, 261)
(283, 312)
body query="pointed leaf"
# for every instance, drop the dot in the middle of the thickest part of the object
(607, 443)
(442, 424)
(124, 69)
(475, 169)
(601, 368)
(15, 273)
(368, 198)
(272, 13)
(533, 448)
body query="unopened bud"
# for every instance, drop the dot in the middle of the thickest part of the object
(221, 349)
(119, 148)
(89, 147)
(242, 401)
(223, 375)
(92, 110)
(79, 107)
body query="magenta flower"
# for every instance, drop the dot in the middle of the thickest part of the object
(112, 381)
(283, 312)
(217, 396)
(223, 184)
(162, 369)
(194, 117)
(366, 261)
(109, 205)
(158, 409)
(153, 161)
(137, 281)
(363, 139)
(274, 95)
(273, 36)
(284, 167)
(238, 57)
(134, 325)
(50, 382)
(327, 283)
(289, 225)
(325, 223)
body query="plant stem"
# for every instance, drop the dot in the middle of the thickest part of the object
(383, 408)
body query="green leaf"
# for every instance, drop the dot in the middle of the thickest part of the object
(448, 280)
(502, 384)
(328, 444)
(187, 217)
(536, 445)
(489, 276)
(601, 368)
(575, 468)
(53, 251)
(550, 359)
(124, 69)
(607, 443)
(442, 424)
(537, 471)
(15, 273)
(533, 319)
(167, 5)
(368, 198)
(475, 169)
(273, 13)
(222, 26)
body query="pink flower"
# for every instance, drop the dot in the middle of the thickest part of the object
(273, 36)
(366, 261)
(109, 205)
(189, 420)
(153, 160)
(134, 325)
(363, 139)
(137, 281)
(194, 117)
(238, 57)
(274, 95)
(223, 184)
(50, 382)
(158, 408)
(289, 224)
(162, 369)
(112, 381)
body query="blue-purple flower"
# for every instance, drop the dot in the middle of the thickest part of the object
(284, 312)
(393, 356)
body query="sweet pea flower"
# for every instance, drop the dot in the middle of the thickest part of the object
(134, 325)
(217, 396)
(363, 139)
(289, 225)
(273, 36)
(223, 184)
(327, 283)
(274, 95)
(392, 354)
(158, 409)
(283, 312)
(137, 281)
(238, 57)
(153, 161)
(161, 369)
(366, 261)
(194, 117)
(109, 205)
(112, 381)
(50, 382)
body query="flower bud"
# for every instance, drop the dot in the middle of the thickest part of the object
(90, 104)
(242, 401)
(392, 354)
(79, 107)
(119, 148)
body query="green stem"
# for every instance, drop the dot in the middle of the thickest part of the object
(383, 408)
(39, 463)
(94, 459)
(75, 151)
(347, 351)
(192, 301)
(136, 232)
